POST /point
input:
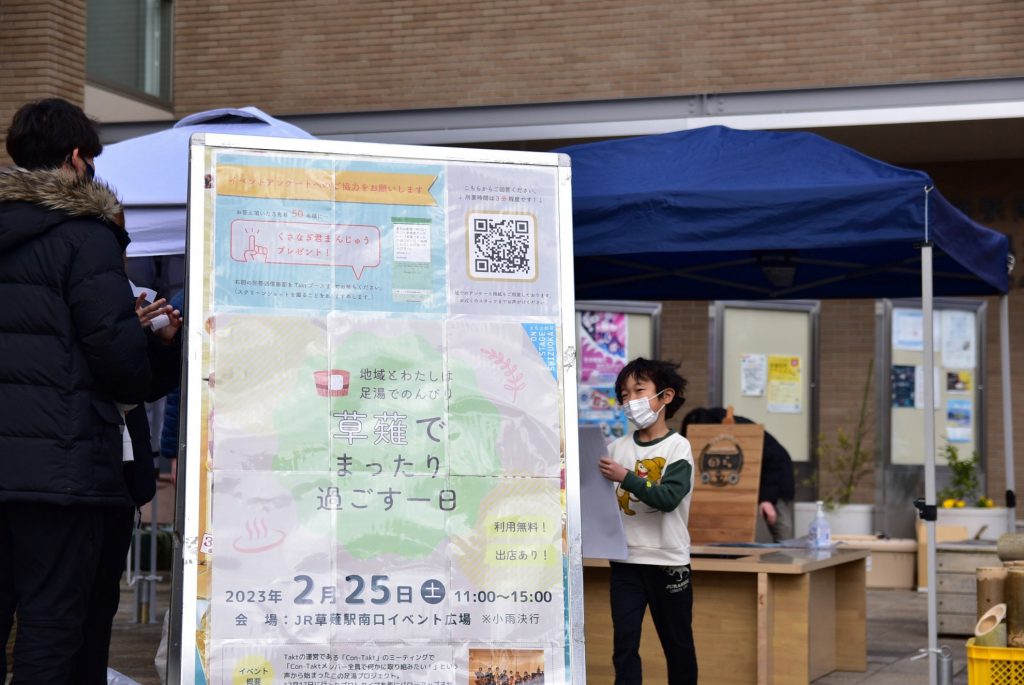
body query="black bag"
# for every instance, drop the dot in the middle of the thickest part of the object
(140, 474)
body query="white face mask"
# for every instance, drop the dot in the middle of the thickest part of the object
(639, 411)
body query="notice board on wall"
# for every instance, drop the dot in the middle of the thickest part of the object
(767, 360)
(380, 473)
(957, 390)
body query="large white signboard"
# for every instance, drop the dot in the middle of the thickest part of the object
(377, 487)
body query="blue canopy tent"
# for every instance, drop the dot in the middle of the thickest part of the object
(150, 173)
(716, 214)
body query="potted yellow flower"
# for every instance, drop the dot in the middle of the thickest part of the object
(960, 502)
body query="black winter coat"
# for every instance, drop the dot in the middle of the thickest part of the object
(70, 342)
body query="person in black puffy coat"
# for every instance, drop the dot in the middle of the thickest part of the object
(70, 347)
(91, 661)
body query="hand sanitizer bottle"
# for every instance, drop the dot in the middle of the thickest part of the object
(820, 535)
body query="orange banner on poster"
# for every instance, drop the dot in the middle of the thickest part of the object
(383, 188)
(367, 187)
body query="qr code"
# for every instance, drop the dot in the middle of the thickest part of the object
(503, 247)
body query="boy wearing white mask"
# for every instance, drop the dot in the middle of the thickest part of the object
(654, 469)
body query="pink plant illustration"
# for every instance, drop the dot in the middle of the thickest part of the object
(513, 377)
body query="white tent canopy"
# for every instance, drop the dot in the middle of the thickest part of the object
(150, 173)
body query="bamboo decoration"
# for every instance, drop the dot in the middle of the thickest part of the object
(1010, 547)
(991, 582)
(1015, 607)
(990, 630)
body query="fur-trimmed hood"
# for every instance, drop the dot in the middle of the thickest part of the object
(55, 195)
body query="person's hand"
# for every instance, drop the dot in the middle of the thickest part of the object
(768, 512)
(147, 313)
(174, 321)
(611, 470)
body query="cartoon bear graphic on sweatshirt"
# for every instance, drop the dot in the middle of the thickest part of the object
(648, 469)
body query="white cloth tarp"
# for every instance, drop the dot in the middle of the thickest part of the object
(150, 173)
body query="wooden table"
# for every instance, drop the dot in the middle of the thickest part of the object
(761, 615)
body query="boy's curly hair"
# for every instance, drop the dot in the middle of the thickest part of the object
(663, 374)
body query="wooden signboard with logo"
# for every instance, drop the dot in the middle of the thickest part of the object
(727, 458)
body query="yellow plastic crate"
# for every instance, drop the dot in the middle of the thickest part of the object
(994, 665)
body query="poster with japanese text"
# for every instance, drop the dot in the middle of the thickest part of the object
(376, 466)
(785, 384)
(753, 374)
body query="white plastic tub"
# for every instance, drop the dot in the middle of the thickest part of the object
(891, 564)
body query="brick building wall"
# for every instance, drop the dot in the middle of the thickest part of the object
(685, 340)
(312, 56)
(42, 54)
(847, 347)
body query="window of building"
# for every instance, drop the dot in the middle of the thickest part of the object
(128, 45)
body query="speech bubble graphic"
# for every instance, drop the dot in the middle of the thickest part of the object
(356, 246)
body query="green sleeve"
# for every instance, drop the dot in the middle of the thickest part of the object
(666, 495)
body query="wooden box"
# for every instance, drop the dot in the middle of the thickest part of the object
(956, 583)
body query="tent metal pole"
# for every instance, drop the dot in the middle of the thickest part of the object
(1004, 351)
(929, 454)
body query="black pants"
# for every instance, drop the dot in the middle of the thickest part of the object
(48, 560)
(91, 660)
(669, 593)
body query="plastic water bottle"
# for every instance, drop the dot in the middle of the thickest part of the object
(820, 534)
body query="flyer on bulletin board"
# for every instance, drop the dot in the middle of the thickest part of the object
(903, 380)
(958, 420)
(908, 329)
(958, 339)
(785, 384)
(377, 453)
(959, 381)
(603, 344)
(598, 406)
(753, 374)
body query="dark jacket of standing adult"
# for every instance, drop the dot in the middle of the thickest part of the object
(70, 341)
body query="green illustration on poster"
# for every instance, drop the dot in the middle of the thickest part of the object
(359, 409)
(386, 422)
(366, 460)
